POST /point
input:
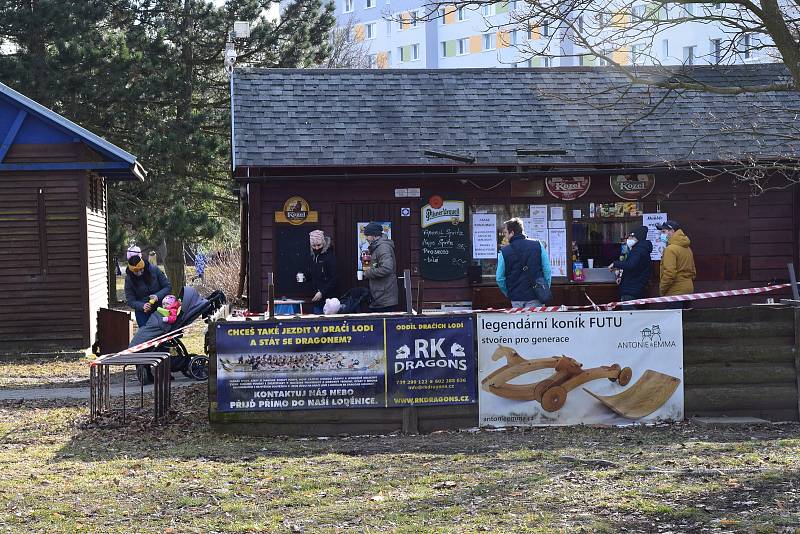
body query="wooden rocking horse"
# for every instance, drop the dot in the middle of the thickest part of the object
(552, 391)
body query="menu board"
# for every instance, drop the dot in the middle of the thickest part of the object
(444, 240)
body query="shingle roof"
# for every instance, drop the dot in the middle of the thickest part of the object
(286, 117)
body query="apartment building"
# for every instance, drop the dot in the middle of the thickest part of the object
(406, 34)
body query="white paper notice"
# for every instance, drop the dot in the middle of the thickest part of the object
(558, 224)
(538, 217)
(650, 220)
(558, 251)
(576, 214)
(484, 236)
(556, 212)
(540, 235)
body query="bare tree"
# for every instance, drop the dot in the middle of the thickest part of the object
(347, 51)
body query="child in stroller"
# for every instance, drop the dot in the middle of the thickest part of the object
(193, 305)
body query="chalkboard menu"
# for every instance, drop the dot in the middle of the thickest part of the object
(444, 246)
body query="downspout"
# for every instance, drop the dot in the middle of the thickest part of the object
(243, 208)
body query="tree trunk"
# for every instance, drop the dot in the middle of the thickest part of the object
(174, 265)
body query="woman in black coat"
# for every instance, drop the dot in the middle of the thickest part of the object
(322, 269)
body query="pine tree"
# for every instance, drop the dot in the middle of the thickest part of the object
(148, 76)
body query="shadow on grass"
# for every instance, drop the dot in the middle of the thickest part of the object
(188, 435)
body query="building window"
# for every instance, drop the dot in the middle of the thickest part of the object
(401, 53)
(690, 9)
(440, 15)
(370, 3)
(689, 55)
(487, 10)
(637, 54)
(415, 18)
(414, 52)
(514, 37)
(547, 61)
(388, 27)
(348, 6)
(373, 61)
(545, 28)
(580, 24)
(461, 14)
(638, 12)
(463, 47)
(716, 50)
(665, 48)
(489, 41)
(372, 31)
(746, 46)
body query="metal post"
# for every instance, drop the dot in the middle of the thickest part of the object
(793, 280)
(407, 286)
(271, 295)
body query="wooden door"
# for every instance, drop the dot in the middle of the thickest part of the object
(346, 238)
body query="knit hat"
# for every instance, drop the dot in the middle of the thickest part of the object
(317, 237)
(133, 250)
(374, 229)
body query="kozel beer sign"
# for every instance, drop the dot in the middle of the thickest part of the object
(633, 186)
(296, 211)
(568, 187)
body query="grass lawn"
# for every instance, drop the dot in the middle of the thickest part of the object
(60, 475)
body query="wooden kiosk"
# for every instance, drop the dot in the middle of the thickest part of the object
(333, 150)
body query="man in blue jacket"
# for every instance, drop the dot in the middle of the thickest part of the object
(636, 267)
(515, 282)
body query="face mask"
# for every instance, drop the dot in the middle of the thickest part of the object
(630, 242)
(663, 238)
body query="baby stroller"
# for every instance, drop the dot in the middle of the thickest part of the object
(193, 305)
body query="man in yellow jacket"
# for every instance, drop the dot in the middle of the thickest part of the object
(677, 263)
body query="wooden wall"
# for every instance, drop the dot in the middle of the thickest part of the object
(738, 240)
(49, 277)
(97, 249)
(42, 275)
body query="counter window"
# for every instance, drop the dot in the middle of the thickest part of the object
(601, 230)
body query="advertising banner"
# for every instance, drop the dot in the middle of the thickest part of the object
(431, 361)
(318, 364)
(300, 365)
(571, 368)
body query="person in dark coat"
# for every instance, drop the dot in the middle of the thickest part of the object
(637, 267)
(382, 270)
(145, 286)
(520, 264)
(322, 269)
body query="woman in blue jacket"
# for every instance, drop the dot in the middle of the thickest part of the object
(637, 267)
(144, 282)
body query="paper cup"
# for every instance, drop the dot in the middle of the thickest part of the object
(360, 275)
(591, 263)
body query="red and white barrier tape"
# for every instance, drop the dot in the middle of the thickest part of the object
(146, 345)
(607, 306)
(653, 300)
